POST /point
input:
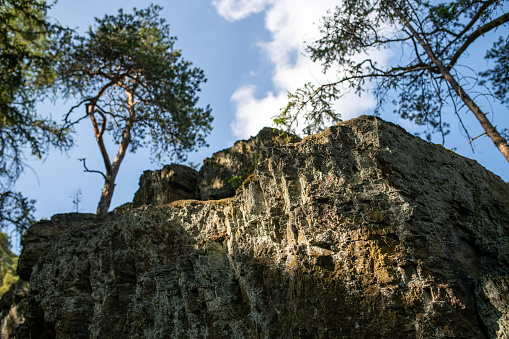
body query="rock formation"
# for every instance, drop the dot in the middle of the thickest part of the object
(173, 182)
(362, 231)
(178, 182)
(237, 161)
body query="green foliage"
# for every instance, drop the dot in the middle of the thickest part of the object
(256, 156)
(8, 273)
(314, 104)
(132, 55)
(137, 87)
(285, 138)
(236, 181)
(16, 210)
(414, 83)
(499, 75)
(9, 262)
(29, 48)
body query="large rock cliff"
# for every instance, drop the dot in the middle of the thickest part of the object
(362, 231)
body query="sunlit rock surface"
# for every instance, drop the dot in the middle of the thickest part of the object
(362, 231)
(214, 181)
(238, 161)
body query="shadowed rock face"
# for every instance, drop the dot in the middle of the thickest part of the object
(13, 307)
(362, 231)
(172, 182)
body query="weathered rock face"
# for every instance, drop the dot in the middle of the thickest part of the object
(362, 231)
(178, 182)
(172, 182)
(237, 161)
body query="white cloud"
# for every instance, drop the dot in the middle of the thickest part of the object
(290, 23)
(253, 114)
(233, 10)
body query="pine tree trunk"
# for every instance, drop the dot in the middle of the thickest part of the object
(106, 195)
(486, 124)
(112, 168)
(488, 127)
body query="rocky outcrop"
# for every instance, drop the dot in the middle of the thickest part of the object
(492, 297)
(172, 182)
(237, 163)
(362, 231)
(218, 178)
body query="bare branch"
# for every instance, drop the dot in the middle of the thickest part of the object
(480, 135)
(91, 171)
(475, 17)
(66, 117)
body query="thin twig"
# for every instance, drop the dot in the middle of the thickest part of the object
(480, 135)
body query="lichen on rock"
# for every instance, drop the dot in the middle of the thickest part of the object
(362, 231)
(13, 306)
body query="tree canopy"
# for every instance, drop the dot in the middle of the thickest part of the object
(28, 52)
(136, 87)
(427, 80)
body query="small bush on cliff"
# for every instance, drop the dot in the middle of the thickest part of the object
(236, 181)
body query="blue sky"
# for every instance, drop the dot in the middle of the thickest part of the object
(252, 54)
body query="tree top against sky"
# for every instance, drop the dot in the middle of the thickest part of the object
(133, 84)
(425, 82)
